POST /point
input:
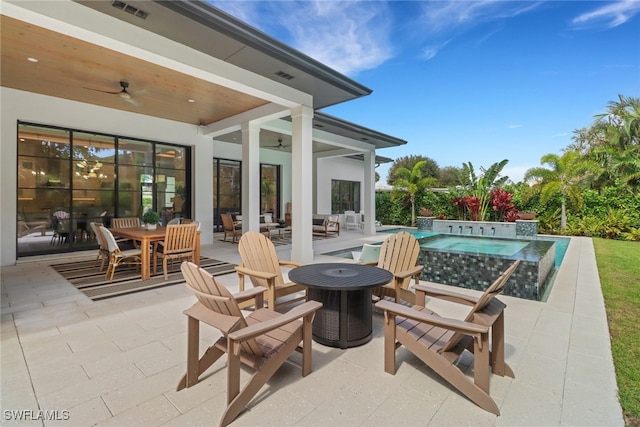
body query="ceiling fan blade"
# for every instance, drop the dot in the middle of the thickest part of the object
(103, 91)
(133, 102)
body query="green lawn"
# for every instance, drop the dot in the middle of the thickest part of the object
(619, 268)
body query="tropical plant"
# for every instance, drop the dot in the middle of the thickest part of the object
(429, 168)
(410, 184)
(502, 206)
(566, 179)
(480, 186)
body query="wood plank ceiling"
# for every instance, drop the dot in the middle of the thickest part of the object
(67, 66)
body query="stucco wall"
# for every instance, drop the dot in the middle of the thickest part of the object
(335, 168)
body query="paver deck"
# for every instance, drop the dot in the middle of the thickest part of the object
(117, 361)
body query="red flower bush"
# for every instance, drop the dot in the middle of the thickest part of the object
(501, 202)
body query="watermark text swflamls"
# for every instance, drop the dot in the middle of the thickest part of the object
(35, 415)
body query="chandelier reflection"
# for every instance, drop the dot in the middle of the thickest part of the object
(88, 169)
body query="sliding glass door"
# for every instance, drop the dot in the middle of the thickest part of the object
(69, 178)
(227, 185)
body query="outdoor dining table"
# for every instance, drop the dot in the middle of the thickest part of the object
(146, 237)
(345, 290)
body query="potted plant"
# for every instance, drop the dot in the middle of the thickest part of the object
(151, 219)
(526, 215)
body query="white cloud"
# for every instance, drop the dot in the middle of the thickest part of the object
(609, 16)
(514, 126)
(450, 18)
(453, 15)
(347, 36)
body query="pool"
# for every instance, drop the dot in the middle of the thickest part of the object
(478, 246)
(473, 262)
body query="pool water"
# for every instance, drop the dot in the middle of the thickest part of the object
(561, 243)
(478, 246)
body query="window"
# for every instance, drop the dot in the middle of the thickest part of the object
(270, 189)
(68, 178)
(345, 196)
(227, 195)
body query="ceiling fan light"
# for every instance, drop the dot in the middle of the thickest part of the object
(125, 95)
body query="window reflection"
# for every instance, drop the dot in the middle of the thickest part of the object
(68, 178)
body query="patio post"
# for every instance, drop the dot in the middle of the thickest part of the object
(369, 194)
(250, 176)
(302, 170)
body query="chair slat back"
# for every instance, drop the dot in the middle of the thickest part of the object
(95, 227)
(180, 238)
(129, 222)
(227, 222)
(493, 290)
(399, 252)
(258, 253)
(489, 294)
(216, 297)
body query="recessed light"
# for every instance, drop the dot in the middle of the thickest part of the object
(31, 59)
(192, 100)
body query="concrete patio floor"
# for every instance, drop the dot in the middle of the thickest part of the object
(117, 361)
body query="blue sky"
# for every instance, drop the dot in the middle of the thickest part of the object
(467, 81)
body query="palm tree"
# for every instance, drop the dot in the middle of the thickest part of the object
(564, 179)
(412, 183)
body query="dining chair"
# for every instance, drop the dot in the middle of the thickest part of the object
(179, 243)
(103, 247)
(126, 222)
(118, 257)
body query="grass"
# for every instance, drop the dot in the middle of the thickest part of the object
(619, 269)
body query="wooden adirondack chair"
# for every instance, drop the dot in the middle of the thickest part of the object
(262, 341)
(439, 341)
(260, 262)
(399, 255)
(179, 243)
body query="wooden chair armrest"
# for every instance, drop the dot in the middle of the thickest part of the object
(258, 329)
(256, 292)
(455, 325)
(285, 263)
(445, 295)
(410, 272)
(259, 274)
(374, 263)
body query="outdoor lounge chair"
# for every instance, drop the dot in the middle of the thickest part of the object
(399, 255)
(230, 226)
(439, 341)
(327, 226)
(261, 341)
(260, 262)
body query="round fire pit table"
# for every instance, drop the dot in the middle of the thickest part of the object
(345, 293)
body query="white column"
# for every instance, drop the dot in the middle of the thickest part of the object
(369, 193)
(250, 177)
(302, 186)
